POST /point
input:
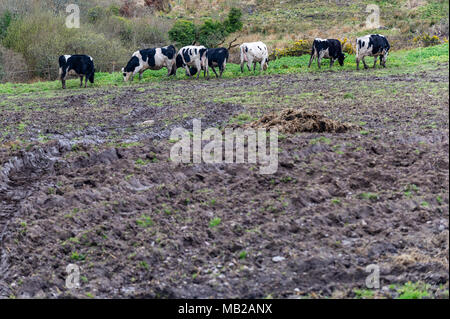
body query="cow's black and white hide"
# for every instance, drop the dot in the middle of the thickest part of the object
(252, 53)
(80, 65)
(153, 59)
(375, 45)
(327, 49)
(192, 58)
(216, 57)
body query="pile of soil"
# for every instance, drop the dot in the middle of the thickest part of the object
(294, 121)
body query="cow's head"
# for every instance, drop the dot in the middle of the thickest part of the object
(266, 64)
(341, 59)
(126, 75)
(131, 69)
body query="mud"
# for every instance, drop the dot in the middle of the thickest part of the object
(85, 182)
(295, 121)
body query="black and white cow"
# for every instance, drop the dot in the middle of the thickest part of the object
(375, 45)
(80, 65)
(216, 57)
(192, 58)
(328, 49)
(253, 52)
(153, 59)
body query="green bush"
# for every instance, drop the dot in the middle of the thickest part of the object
(42, 37)
(5, 20)
(183, 32)
(209, 34)
(233, 23)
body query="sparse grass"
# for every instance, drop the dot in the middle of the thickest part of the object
(215, 222)
(145, 221)
(413, 291)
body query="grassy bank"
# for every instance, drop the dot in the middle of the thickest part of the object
(399, 62)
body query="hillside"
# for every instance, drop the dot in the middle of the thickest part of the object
(280, 22)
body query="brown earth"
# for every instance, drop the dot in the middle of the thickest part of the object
(101, 192)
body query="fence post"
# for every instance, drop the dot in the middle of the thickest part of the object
(113, 66)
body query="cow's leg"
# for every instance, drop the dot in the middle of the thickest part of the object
(375, 61)
(63, 82)
(198, 65)
(364, 62)
(319, 61)
(331, 62)
(249, 64)
(311, 59)
(140, 75)
(214, 70)
(81, 80)
(85, 81)
(206, 72)
(383, 61)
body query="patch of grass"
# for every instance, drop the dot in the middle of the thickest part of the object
(215, 222)
(363, 293)
(413, 291)
(335, 201)
(370, 196)
(243, 254)
(76, 256)
(145, 221)
(320, 140)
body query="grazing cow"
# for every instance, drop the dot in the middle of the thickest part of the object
(252, 53)
(190, 57)
(215, 57)
(153, 59)
(375, 45)
(328, 49)
(81, 65)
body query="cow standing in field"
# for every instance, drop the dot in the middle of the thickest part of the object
(216, 57)
(375, 45)
(81, 65)
(153, 59)
(252, 53)
(190, 58)
(328, 49)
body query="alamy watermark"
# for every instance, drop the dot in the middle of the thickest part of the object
(373, 19)
(73, 19)
(228, 148)
(373, 279)
(73, 276)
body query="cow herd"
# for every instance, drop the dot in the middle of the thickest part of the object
(194, 58)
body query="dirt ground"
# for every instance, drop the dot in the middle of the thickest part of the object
(86, 179)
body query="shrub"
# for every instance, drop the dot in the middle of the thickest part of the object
(12, 72)
(347, 47)
(298, 48)
(233, 23)
(5, 20)
(183, 32)
(426, 40)
(42, 37)
(211, 33)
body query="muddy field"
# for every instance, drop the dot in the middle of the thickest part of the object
(86, 178)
